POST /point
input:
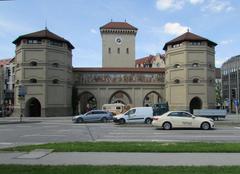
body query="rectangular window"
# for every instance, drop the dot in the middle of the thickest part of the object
(127, 50)
(196, 43)
(109, 50)
(34, 41)
(56, 43)
(118, 50)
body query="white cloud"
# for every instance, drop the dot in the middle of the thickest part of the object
(206, 5)
(226, 42)
(194, 2)
(93, 31)
(169, 4)
(175, 28)
(217, 6)
(219, 62)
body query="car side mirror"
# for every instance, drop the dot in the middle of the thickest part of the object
(193, 116)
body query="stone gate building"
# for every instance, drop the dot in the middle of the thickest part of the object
(44, 66)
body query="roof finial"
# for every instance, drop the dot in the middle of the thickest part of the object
(111, 20)
(188, 30)
(125, 20)
(46, 24)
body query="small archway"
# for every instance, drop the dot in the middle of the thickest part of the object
(86, 102)
(33, 108)
(151, 98)
(195, 103)
(120, 97)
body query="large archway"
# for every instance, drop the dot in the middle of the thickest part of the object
(120, 97)
(33, 108)
(151, 98)
(195, 103)
(87, 101)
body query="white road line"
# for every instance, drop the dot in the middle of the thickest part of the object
(128, 133)
(24, 126)
(6, 130)
(5, 143)
(40, 135)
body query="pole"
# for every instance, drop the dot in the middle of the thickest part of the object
(21, 113)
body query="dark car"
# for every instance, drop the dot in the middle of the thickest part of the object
(93, 116)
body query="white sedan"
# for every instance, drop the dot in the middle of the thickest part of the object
(181, 119)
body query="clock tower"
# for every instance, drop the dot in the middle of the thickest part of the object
(118, 44)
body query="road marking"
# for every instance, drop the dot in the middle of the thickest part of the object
(5, 143)
(129, 133)
(40, 135)
(24, 126)
(6, 130)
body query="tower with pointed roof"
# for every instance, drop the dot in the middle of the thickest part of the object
(43, 65)
(189, 80)
(118, 44)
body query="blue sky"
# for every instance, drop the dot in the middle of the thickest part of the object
(158, 21)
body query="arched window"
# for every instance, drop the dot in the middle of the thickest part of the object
(56, 65)
(33, 80)
(177, 81)
(196, 80)
(33, 63)
(55, 81)
(176, 66)
(195, 65)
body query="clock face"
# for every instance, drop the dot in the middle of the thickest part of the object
(118, 40)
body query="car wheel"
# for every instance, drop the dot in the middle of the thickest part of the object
(148, 121)
(104, 120)
(122, 121)
(167, 126)
(205, 126)
(80, 120)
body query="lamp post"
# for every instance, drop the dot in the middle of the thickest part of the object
(21, 97)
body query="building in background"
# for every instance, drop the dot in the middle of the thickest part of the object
(230, 72)
(151, 61)
(7, 85)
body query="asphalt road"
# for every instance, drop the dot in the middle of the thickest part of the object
(45, 130)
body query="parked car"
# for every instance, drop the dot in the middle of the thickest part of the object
(181, 119)
(93, 116)
(135, 115)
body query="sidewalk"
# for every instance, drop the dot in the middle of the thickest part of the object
(105, 158)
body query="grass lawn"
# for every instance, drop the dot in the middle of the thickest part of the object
(23, 169)
(132, 147)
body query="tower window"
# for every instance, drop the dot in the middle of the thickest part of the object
(196, 80)
(195, 65)
(177, 81)
(33, 80)
(127, 50)
(55, 81)
(118, 50)
(34, 41)
(109, 50)
(55, 43)
(196, 43)
(56, 65)
(176, 66)
(33, 63)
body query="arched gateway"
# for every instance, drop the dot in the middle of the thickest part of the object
(195, 103)
(33, 108)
